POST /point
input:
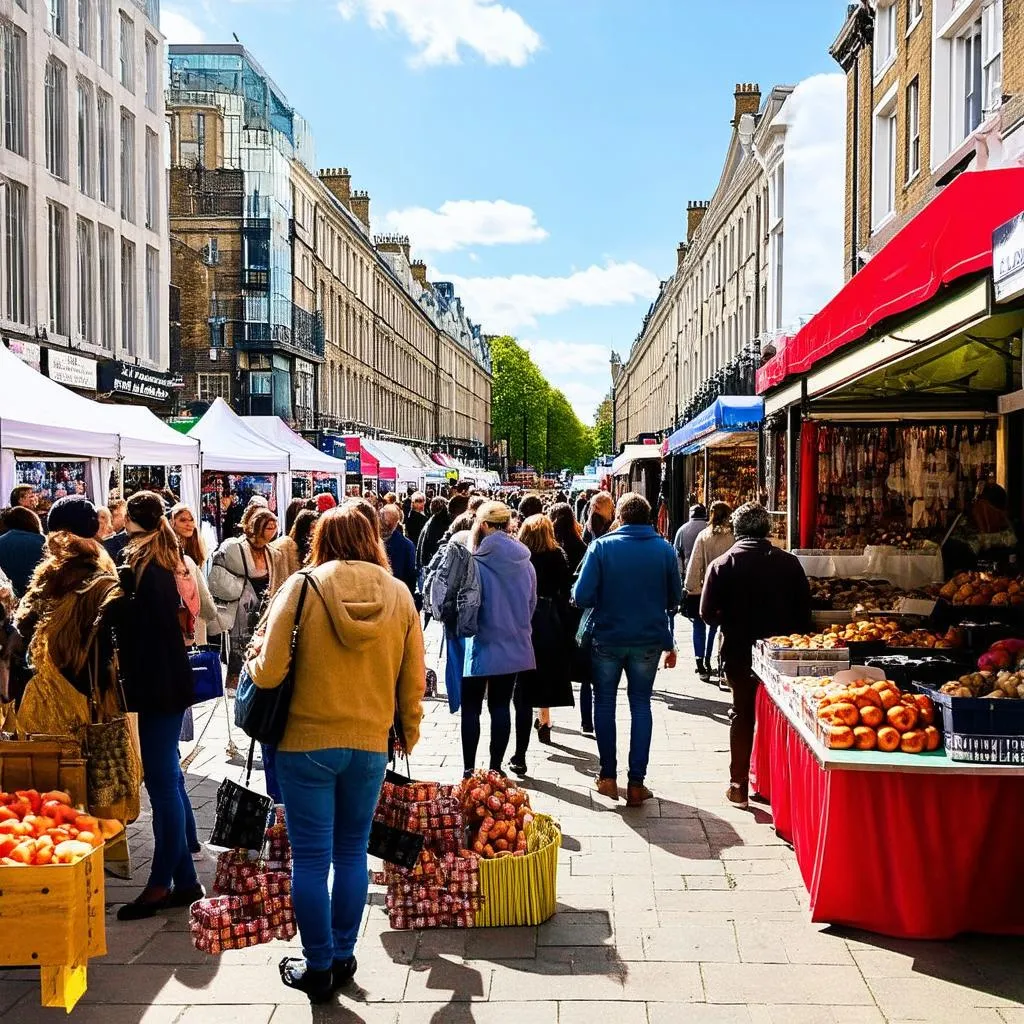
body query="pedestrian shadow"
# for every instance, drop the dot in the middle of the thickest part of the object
(716, 710)
(680, 829)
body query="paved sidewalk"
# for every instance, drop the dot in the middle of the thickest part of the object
(684, 910)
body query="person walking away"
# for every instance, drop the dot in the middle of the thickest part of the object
(754, 590)
(21, 546)
(630, 577)
(158, 686)
(294, 548)
(193, 551)
(602, 513)
(416, 518)
(430, 539)
(400, 551)
(358, 668)
(549, 684)
(502, 646)
(686, 535)
(711, 543)
(531, 505)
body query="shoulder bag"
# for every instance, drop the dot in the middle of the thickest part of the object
(262, 714)
(242, 814)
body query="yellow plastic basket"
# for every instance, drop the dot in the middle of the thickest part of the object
(520, 890)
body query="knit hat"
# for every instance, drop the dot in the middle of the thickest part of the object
(325, 501)
(698, 511)
(494, 513)
(75, 514)
(145, 510)
(751, 520)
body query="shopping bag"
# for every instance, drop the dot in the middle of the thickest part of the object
(585, 633)
(188, 727)
(241, 821)
(388, 842)
(207, 675)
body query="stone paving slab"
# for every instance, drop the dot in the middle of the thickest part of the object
(686, 910)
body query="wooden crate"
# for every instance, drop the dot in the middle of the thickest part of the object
(52, 917)
(43, 763)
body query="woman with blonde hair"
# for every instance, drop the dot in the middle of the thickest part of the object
(201, 620)
(713, 541)
(358, 668)
(549, 684)
(158, 685)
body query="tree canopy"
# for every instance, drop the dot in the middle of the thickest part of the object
(603, 427)
(525, 409)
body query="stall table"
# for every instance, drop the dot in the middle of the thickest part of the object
(908, 845)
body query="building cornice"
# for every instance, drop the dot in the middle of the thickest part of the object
(855, 35)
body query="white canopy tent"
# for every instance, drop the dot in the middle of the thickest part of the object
(302, 456)
(407, 467)
(228, 445)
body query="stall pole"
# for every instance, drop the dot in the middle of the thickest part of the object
(707, 480)
(792, 483)
(120, 479)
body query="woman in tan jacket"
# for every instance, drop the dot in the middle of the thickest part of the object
(711, 543)
(358, 668)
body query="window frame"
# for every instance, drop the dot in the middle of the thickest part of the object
(106, 288)
(915, 14)
(14, 226)
(55, 118)
(129, 299)
(14, 86)
(885, 112)
(126, 52)
(127, 165)
(86, 132)
(205, 379)
(881, 64)
(84, 21)
(58, 308)
(85, 252)
(913, 129)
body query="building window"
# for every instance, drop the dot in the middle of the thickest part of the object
(992, 56)
(191, 140)
(128, 293)
(55, 120)
(261, 383)
(86, 282)
(58, 11)
(105, 39)
(152, 180)
(86, 138)
(153, 292)
(127, 165)
(12, 87)
(969, 46)
(15, 262)
(104, 147)
(915, 11)
(913, 129)
(85, 26)
(107, 276)
(57, 267)
(152, 73)
(883, 161)
(884, 47)
(211, 386)
(127, 53)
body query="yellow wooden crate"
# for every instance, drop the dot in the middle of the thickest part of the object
(52, 917)
(520, 890)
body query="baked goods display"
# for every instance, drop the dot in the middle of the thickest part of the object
(983, 589)
(990, 685)
(836, 593)
(885, 631)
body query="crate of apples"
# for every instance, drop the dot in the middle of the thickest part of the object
(870, 714)
(43, 828)
(498, 814)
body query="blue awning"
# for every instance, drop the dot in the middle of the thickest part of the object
(730, 413)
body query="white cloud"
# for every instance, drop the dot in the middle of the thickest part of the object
(440, 29)
(464, 222)
(505, 304)
(579, 369)
(179, 28)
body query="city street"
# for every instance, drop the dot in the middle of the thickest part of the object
(685, 910)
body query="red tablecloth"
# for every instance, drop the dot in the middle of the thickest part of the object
(924, 856)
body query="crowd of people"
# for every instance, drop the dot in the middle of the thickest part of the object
(534, 594)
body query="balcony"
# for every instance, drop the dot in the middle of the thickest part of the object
(305, 337)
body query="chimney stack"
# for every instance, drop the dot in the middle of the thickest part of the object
(681, 251)
(748, 100)
(694, 215)
(393, 244)
(339, 182)
(419, 272)
(360, 206)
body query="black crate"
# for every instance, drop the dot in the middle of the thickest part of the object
(934, 669)
(986, 749)
(980, 729)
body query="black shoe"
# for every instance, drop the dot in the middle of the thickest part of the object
(587, 730)
(544, 734)
(140, 909)
(468, 773)
(704, 671)
(343, 971)
(318, 985)
(518, 765)
(185, 897)
(198, 848)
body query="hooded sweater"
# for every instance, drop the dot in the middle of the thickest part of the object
(359, 661)
(503, 643)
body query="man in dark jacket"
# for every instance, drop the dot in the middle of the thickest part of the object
(754, 590)
(21, 547)
(433, 532)
(416, 518)
(686, 535)
(401, 553)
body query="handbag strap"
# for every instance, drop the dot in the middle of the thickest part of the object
(248, 763)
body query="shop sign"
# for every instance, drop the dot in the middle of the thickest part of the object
(28, 352)
(121, 378)
(1008, 259)
(70, 369)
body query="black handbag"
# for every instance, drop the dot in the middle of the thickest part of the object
(241, 821)
(263, 713)
(389, 842)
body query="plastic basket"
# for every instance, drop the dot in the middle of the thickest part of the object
(518, 891)
(981, 730)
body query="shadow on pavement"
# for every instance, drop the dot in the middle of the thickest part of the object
(705, 707)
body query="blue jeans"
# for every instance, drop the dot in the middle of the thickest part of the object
(641, 666)
(329, 800)
(703, 638)
(455, 656)
(269, 757)
(174, 824)
(587, 706)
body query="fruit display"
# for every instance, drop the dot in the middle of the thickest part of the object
(1003, 655)
(498, 814)
(983, 589)
(990, 685)
(867, 715)
(885, 631)
(43, 828)
(840, 594)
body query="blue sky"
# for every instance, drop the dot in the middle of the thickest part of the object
(540, 153)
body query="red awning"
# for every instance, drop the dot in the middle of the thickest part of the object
(368, 465)
(950, 238)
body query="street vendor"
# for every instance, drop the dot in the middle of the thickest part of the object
(984, 534)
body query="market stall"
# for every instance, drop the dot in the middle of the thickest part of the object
(369, 468)
(637, 468)
(409, 473)
(312, 471)
(387, 469)
(236, 464)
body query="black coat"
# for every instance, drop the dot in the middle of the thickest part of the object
(574, 550)
(155, 668)
(430, 538)
(549, 686)
(414, 523)
(755, 590)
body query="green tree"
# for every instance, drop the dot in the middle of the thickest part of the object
(603, 427)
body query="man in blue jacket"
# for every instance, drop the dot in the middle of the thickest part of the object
(630, 578)
(401, 553)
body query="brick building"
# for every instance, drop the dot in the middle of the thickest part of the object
(934, 88)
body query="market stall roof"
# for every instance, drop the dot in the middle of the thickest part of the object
(146, 440)
(368, 465)
(387, 468)
(302, 455)
(949, 239)
(634, 453)
(728, 414)
(407, 466)
(39, 415)
(229, 446)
